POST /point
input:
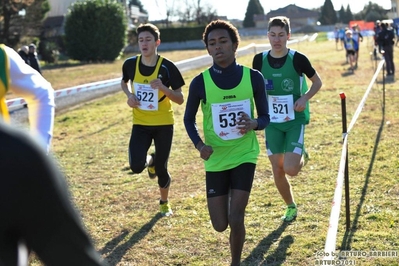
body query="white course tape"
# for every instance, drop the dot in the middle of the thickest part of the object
(183, 65)
(20, 102)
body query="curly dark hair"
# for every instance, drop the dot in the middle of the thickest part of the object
(221, 24)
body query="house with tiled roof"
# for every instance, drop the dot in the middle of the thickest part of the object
(55, 19)
(299, 17)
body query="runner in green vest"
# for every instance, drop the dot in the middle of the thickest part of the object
(228, 94)
(288, 95)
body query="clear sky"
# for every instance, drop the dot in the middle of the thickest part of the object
(235, 9)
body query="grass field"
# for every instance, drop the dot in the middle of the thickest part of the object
(120, 210)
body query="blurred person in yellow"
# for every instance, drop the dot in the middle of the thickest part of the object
(26, 82)
(4, 83)
(35, 204)
(37, 213)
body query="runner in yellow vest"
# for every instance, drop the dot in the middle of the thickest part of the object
(151, 83)
(24, 81)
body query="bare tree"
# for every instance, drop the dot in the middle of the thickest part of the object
(9, 10)
(170, 10)
(196, 11)
(187, 13)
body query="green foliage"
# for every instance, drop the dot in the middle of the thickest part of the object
(36, 12)
(14, 25)
(372, 12)
(181, 34)
(95, 30)
(321, 37)
(344, 16)
(328, 15)
(254, 8)
(349, 15)
(49, 51)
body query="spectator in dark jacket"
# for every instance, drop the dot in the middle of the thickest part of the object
(33, 60)
(377, 47)
(386, 39)
(24, 53)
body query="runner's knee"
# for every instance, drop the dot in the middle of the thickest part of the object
(219, 226)
(164, 180)
(136, 167)
(292, 170)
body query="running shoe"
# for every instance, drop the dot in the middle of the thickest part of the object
(165, 209)
(151, 167)
(290, 214)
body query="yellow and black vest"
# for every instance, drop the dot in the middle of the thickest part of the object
(164, 115)
(4, 82)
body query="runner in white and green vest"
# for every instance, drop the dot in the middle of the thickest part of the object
(288, 95)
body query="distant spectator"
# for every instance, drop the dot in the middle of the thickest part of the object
(357, 35)
(343, 44)
(377, 30)
(396, 28)
(33, 60)
(386, 39)
(336, 36)
(24, 53)
(341, 35)
(351, 45)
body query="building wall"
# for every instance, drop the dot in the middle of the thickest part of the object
(394, 9)
(59, 7)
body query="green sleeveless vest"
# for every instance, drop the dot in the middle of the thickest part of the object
(278, 80)
(230, 153)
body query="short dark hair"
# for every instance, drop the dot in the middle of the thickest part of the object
(150, 28)
(280, 21)
(221, 24)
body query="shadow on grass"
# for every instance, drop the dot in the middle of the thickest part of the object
(116, 249)
(63, 65)
(347, 73)
(278, 257)
(347, 240)
(71, 63)
(386, 80)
